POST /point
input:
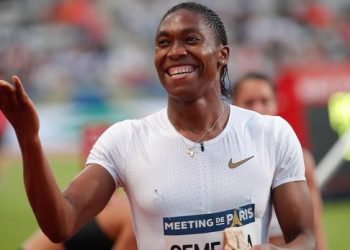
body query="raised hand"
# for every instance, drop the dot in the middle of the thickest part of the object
(18, 108)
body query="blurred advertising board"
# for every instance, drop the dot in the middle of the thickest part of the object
(315, 100)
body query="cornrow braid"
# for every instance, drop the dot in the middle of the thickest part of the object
(214, 22)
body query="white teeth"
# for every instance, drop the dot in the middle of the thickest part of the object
(180, 70)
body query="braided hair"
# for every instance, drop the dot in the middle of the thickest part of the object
(214, 22)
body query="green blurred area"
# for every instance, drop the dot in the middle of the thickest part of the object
(17, 221)
(336, 220)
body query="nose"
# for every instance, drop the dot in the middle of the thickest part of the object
(177, 50)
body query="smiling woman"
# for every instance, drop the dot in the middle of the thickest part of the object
(187, 49)
(179, 200)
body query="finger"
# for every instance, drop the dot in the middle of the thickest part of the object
(7, 87)
(7, 92)
(21, 93)
(7, 99)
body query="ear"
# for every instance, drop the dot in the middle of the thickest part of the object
(224, 54)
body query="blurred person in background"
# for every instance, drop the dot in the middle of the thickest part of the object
(108, 230)
(182, 165)
(256, 91)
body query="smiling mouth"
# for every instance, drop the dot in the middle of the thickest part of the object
(180, 71)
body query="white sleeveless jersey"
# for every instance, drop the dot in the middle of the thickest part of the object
(183, 202)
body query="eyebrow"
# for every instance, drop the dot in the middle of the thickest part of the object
(184, 31)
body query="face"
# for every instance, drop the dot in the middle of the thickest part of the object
(256, 95)
(187, 56)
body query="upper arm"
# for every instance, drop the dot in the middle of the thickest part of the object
(294, 211)
(88, 194)
(291, 195)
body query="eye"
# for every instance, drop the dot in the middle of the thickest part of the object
(163, 42)
(249, 103)
(192, 39)
(265, 101)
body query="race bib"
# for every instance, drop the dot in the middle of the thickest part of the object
(205, 231)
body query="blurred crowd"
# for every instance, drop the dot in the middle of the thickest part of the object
(91, 51)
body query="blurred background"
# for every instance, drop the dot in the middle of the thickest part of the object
(90, 62)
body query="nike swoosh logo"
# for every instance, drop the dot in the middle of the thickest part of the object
(238, 163)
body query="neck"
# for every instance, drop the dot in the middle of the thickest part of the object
(193, 119)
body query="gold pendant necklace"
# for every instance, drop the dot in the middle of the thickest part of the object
(190, 150)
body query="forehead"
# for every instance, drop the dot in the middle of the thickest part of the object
(183, 19)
